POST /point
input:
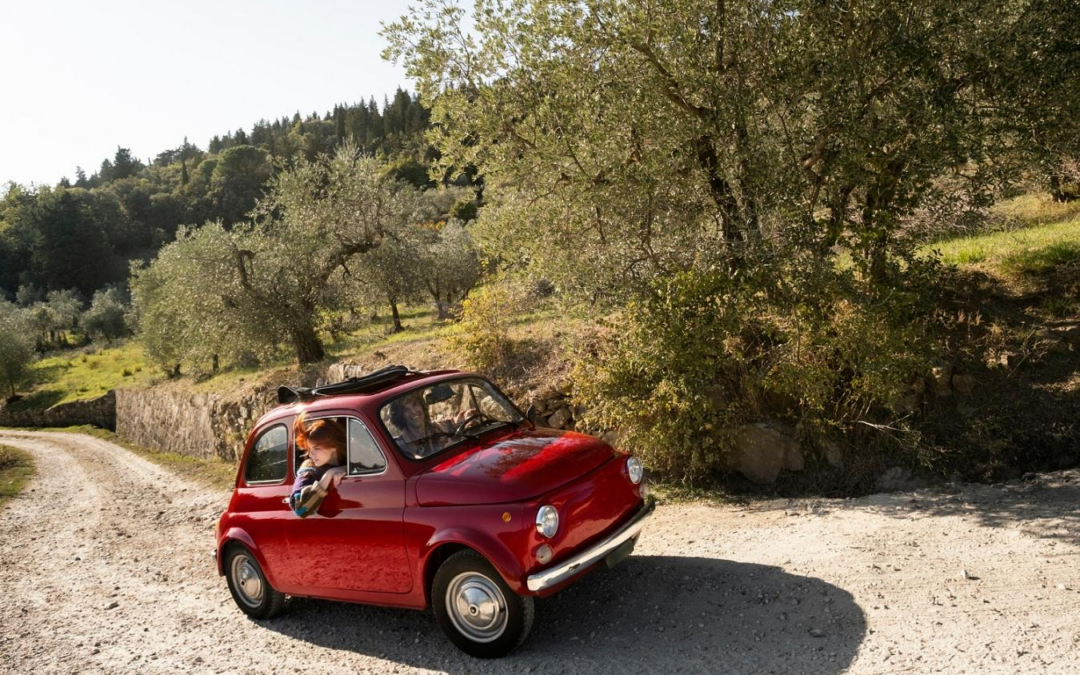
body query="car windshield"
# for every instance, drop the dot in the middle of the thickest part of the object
(428, 420)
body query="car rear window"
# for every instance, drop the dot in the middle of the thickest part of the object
(268, 461)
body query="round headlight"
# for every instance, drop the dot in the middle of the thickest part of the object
(635, 469)
(547, 521)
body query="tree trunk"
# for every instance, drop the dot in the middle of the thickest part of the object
(214, 363)
(443, 310)
(397, 318)
(1057, 191)
(308, 347)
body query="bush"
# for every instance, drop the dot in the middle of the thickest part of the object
(702, 354)
(484, 336)
(464, 210)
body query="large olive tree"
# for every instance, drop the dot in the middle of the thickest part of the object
(621, 140)
(269, 281)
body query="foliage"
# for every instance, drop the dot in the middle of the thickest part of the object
(703, 353)
(85, 234)
(484, 330)
(226, 292)
(16, 351)
(106, 318)
(621, 141)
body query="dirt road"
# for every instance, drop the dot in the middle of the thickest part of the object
(104, 567)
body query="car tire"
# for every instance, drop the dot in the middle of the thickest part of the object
(252, 592)
(476, 609)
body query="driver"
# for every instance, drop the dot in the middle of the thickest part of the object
(407, 414)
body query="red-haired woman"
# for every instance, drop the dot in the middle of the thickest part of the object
(323, 442)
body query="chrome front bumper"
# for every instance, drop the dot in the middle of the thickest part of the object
(579, 563)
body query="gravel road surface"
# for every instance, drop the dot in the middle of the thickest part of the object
(104, 567)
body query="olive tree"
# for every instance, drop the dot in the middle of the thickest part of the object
(625, 140)
(16, 347)
(107, 317)
(261, 284)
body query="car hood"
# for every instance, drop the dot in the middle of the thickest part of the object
(521, 466)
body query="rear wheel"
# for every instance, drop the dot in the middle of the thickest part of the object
(476, 609)
(252, 592)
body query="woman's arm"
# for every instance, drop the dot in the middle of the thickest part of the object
(308, 491)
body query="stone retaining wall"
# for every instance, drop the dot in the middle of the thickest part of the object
(99, 412)
(196, 425)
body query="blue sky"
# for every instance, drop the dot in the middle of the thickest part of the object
(81, 78)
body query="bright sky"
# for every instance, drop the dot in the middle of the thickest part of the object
(81, 78)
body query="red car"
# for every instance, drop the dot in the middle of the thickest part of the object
(474, 519)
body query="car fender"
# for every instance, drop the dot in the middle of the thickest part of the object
(495, 551)
(239, 535)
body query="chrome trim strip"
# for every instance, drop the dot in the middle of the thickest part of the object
(568, 568)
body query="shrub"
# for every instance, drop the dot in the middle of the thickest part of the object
(483, 338)
(701, 354)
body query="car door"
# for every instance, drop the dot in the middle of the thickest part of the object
(259, 504)
(355, 541)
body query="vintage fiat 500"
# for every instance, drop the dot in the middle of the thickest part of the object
(474, 518)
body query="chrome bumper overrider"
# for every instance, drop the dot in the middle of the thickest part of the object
(565, 570)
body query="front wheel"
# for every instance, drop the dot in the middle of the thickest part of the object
(476, 609)
(248, 585)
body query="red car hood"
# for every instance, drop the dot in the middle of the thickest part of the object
(521, 466)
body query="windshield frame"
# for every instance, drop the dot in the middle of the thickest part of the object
(459, 440)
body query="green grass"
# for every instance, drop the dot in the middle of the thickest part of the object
(1035, 250)
(77, 375)
(213, 473)
(16, 466)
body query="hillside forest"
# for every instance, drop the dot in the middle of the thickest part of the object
(852, 222)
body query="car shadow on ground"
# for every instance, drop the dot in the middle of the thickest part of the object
(652, 614)
(1042, 506)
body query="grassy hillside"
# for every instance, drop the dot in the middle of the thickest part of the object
(86, 374)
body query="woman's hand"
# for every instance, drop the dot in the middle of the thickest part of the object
(332, 477)
(464, 415)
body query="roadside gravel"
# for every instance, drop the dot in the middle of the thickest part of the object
(104, 567)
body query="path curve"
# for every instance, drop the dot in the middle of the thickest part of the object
(104, 567)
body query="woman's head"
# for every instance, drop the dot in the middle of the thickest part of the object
(407, 412)
(323, 441)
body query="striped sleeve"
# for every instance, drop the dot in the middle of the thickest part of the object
(307, 494)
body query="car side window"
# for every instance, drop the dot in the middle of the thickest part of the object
(365, 457)
(268, 461)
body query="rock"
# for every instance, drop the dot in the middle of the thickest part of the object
(834, 454)
(918, 386)
(793, 458)
(941, 378)
(761, 450)
(965, 384)
(1057, 346)
(1070, 334)
(113, 605)
(895, 479)
(560, 418)
(906, 405)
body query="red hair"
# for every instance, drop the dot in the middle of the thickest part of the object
(324, 431)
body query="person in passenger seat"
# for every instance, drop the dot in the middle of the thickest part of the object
(323, 442)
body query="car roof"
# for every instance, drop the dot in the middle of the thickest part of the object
(367, 401)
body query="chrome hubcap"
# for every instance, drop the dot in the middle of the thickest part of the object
(476, 607)
(247, 580)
